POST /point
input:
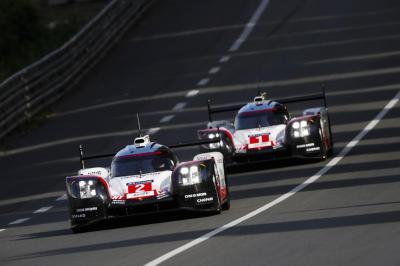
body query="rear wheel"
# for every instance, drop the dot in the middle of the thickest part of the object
(227, 151)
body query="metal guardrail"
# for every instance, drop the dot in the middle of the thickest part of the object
(37, 86)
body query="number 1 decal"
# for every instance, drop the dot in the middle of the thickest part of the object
(259, 139)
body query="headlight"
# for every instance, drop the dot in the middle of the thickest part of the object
(86, 189)
(213, 146)
(305, 132)
(189, 176)
(216, 145)
(184, 170)
(194, 172)
(300, 129)
(212, 135)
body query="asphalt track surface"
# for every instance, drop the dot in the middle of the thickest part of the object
(349, 216)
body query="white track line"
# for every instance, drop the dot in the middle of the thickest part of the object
(192, 93)
(203, 82)
(19, 221)
(214, 70)
(225, 59)
(179, 107)
(43, 209)
(153, 130)
(166, 118)
(249, 26)
(61, 198)
(298, 188)
(1, 230)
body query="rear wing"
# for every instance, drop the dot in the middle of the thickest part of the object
(84, 158)
(193, 143)
(235, 107)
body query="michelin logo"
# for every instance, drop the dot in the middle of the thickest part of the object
(203, 200)
(313, 149)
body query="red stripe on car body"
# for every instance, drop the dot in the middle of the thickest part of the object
(139, 154)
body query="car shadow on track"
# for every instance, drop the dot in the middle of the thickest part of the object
(122, 222)
(267, 165)
(258, 177)
(335, 184)
(145, 219)
(253, 229)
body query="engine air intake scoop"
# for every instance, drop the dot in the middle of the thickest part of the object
(259, 99)
(141, 142)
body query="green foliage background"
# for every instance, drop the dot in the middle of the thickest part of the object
(19, 30)
(25, 35)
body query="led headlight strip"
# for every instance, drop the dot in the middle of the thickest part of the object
(87, 189)
(189, 175)
(212, 135)
(300, 129)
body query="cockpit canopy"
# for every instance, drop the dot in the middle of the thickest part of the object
(143, 163)
(261, 118)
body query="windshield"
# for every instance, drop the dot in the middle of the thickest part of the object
(135, 165)
(262, 118)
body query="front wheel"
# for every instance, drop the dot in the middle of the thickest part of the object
(218, 208)
(79, 229)
(329, 153)
(227, 204)
(324, 151)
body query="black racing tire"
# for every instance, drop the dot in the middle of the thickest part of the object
(218, 208)
(77, 229)
(227, 204)
(81, 228)
(324, 151)
(227, 158)
(329, 153)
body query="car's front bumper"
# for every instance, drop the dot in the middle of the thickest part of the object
(304, 148)
(198, 197)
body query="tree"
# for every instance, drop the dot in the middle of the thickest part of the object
(19, 28)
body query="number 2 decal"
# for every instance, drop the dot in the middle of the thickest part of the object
(139, 188)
